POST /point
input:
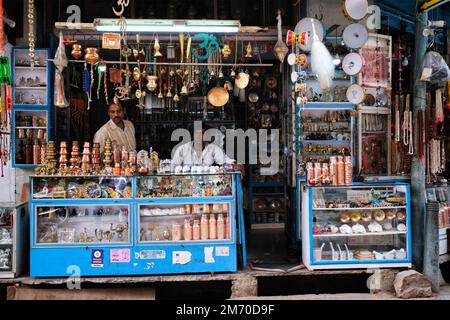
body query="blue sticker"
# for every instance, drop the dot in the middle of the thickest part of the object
(97, 258)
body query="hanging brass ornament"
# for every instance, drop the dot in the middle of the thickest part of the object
(249, 51)
(226, 51)
(157, 47)
(151, 84)
(91, 55)
(76, 51)
(280, 48)
(136, 74)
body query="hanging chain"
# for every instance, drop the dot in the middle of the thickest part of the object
(31, 37)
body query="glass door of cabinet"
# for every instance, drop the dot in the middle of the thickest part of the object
(360, 224)
(192, 185)
(107, 187)
(6, 239)
(185, 222)
(374, 152)
(82, 224)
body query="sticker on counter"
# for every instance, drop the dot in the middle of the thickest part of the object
(97, 258)
(120, 256)
(150, 254)
(181, 257)
(222, 251)
(209, 255)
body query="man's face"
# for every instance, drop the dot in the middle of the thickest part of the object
(115, 114)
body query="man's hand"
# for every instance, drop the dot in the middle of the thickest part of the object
(240, 168)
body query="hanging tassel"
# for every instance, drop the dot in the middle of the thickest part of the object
(321, 61)
(86, 84)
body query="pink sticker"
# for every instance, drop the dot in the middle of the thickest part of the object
(120, 256)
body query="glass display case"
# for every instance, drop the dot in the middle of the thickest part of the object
(131, 225)
(325, 130)
(77, 224)
(192, 185)
(374, 133)
(31, 111)
(30, 129)
(31, 84)
(357, 226)
(13, 239)
(81, 187)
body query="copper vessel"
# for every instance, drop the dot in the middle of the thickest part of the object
(76, 51)
(91, 55)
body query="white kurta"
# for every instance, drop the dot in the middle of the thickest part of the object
(124, 137)
(211, 154)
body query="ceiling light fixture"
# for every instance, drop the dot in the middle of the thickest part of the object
(175, 26)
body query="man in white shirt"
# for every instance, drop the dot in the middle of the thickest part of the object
(199, 152)
(117, 129)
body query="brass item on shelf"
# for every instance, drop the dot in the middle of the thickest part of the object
(355, 216)
(379, 215)
(344, 217)
(390, 214)
(366, 216)
(401, 216)
(166, 233)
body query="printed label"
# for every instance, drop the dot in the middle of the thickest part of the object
(209, 255)
(181, 257)
(151, 254)
(97, 258)
(222, 251)
(120, 256)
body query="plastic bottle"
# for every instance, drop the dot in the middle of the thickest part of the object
(36, 153)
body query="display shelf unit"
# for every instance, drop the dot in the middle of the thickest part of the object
(13, 239)
(373, 237)
(31, 101)
(107, 233)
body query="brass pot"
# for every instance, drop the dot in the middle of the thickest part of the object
(242, 80)
(91, 55)
(76, 51)
(218, 96)
(151, 84)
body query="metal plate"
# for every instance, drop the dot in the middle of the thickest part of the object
(352, 64)
(355, 9)
(355, 35)
(355, 94)
(306, 25)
